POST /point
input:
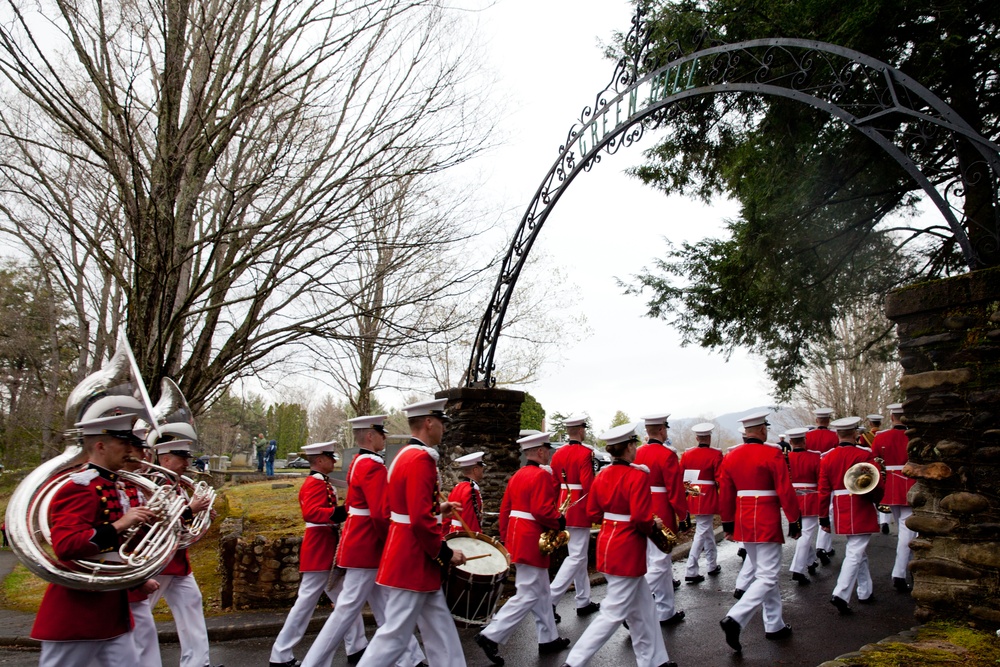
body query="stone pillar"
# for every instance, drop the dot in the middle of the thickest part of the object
(949, 343)
(486, 420)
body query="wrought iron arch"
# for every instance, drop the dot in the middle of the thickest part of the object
(887, 106)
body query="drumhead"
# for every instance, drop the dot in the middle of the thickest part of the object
(496, 562)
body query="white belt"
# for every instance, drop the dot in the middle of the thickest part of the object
(318, 525)
(841, 492)
(658, 489)
(704, 482)
(399, 518)
(457, 524)
(518, 514)
(359, 511)
(804, 485)
(894, 467)
(757, 493)
(574, 487)
(610, 516)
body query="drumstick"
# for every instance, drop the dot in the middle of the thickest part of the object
(458, 516)
(468, 558)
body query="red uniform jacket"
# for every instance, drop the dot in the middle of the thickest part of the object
(821, 440)
(753, 484)
(532, 490)
(573, 465)
(80, 518)
(666, 482)
(804, 464)
(706, 460)
(852, 515)
(363, 537)
(620, 501)
(318, 500)
(414, 550)
(890, 446)
(467, 493)
(131, 496)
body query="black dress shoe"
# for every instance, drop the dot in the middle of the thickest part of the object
(742, 553)
(812, 568)
(555, 614)
(900, 585)
(696, 579)
(355, 658)
(831, 552)
(738, 593)
(715, 571)
(677, 584)
(841, 605)
(783, 633)
(553, 646)
(673, 620)
(823, 557)
(732, 630)
(885, 529)
(490, 648)
(868, 600)
(669, 664)
(802, 579)
(291, 663)
(588, 609)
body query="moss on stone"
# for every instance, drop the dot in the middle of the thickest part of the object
(937, 643)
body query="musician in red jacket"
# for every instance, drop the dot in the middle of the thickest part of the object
(466, 493)
(573, 466)
(699, 467)
(666, 485)
(416, 554)
(86, 519)
(527, 510)
(753, 488)
(891, 446)
(620, 501)
(821, 439)
(853, 515)
(318, 502)
(803, 468)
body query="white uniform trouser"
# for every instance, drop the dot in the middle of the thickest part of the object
(574, 569)
(147, 642)
(703, 541)
(764, 591)
(184, 599)
(804, 554)
(358, 587)
(901, 513)
(885, 518)
(405, 610)
(627, 599)
(311, 587)
(532, 596)
(824, 540)
(660, 579)
(117, 651)
(854, 569)
(746, 574)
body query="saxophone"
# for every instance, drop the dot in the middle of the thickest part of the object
(550, 540)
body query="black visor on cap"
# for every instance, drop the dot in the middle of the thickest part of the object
(440, 414)
(379, 428)
(128, 436)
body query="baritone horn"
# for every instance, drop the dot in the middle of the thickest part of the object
(862, 479)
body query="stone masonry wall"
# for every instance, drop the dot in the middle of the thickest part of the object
(258, 571)
(949, 342)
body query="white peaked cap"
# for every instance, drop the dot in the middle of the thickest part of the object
(704, 428)
(469, 460)
(845, 423)
(321, 448)
(823, 412)
(655, 419)
(755, 419)
(432, 408)
(575, 420)
(169, 446)
(368, 421)
(895, 408)
(102, 425)
(532, 441)
(528, 431)
(618, 434)
(797, 432)
(874, 418)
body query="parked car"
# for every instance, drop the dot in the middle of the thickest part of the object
(300, 462)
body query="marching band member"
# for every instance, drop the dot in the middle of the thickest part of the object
(361, 542)
(703, 463)
(318, 502)
(620, 500)
(666, 484)
(868, 439)
(890, 446)
(527, 510)
(573, 467)
(86, 519)
(853, 515)
(753, 484)
(821, 439)
(803, 468)
(176, 582)
(466, 493)
(416, 554)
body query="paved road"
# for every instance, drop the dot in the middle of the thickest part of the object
(819, 632)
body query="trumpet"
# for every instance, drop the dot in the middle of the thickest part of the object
(692, 489)
(550, 540)
(663, 539)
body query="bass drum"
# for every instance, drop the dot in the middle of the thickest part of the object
(473, 589)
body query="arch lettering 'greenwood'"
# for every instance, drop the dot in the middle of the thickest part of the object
(874, 98)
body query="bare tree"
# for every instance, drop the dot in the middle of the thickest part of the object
(192, 170)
